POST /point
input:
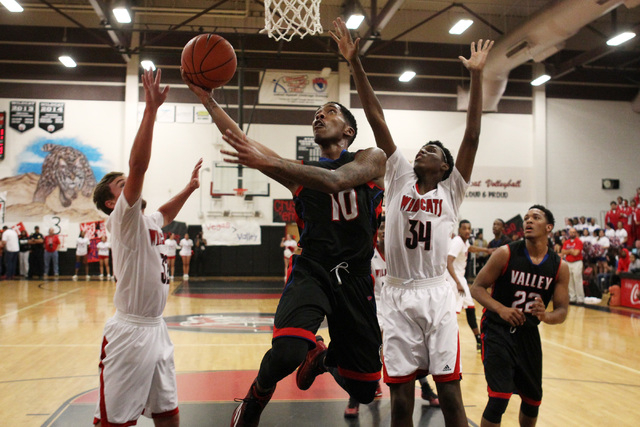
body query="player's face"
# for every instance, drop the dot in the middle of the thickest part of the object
(116, 187)
(329, 123)
(497, 227)
(535, 224)
(465, 231)
(429, 158)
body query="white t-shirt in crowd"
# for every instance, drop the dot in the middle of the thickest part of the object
(185, 247)
(82, 246)
(103, 248)
(11, 240)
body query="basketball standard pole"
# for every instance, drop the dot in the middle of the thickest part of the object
(241, 67)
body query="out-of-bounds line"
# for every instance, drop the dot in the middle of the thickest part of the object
(38, 303)
(635, 371)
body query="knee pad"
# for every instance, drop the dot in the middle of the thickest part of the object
(77, 264)
(529, 410)
(494, 410)
(471, 317)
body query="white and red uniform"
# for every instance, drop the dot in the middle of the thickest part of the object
(82, 246)
(170, 248)
(418, 304)
(289, 247)
(103, 249)
(459, 249)
(379, 272)
(137, 372)
(185, 247)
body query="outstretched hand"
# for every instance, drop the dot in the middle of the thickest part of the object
(194, 182)
(478, 58)
(200, 92)
(247, 152)
(348, 48)
(153, 95)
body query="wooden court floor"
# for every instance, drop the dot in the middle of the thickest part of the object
(50, 333)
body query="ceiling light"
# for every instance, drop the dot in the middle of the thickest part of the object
(148, 65)
(541, 80)
(12, 5)
(621, 38)
(461, 26)
(407, 76)
(67, 61)
(122, 15)
(354, 21)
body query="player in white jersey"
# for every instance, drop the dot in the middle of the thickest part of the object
(418, 304)
(82, 250)
(456, 266)
(186, 245)
(137, 372)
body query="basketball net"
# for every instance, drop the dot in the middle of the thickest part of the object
(284, 19)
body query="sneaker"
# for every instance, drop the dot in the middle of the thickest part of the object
(74, 277)
(352, 410)
(430, 397)
(312, 366)
(87, 277)
(185, 276)
(247, 414)
(378, 394)
(101, 276)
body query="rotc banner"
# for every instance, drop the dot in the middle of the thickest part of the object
(51, 116)
(93, 230)
(298, 88)
(23, 115)
(232, 233)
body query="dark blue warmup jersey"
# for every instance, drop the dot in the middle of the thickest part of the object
(339, 227)
(522, 281)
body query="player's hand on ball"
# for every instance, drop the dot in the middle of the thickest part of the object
(200, 92)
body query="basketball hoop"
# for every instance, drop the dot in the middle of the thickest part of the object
(284, 19)
(240, 191)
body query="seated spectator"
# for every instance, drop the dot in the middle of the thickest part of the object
(624, 260)
(592, 225)
(609, 230)
(621, 234)
(634, 264)
(608, 269)
(586, 237)
(581, 225)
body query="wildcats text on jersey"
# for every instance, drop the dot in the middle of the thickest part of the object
(520, 278)
(432, 206)
(156, 238)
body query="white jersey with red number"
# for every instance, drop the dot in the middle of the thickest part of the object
(142, 282)
(379, 271)
(419, 226)
(459, 249)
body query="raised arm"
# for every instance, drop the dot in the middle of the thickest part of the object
(475, 64)
(141, 149)
(487, 277)
(224, 122)
(170, 209)
(369, 165)
(372, 108)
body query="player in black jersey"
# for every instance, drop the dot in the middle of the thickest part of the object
(526, 275)
(338, 200)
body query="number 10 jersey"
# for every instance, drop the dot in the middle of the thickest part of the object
(419, 226)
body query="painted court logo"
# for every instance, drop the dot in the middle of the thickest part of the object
(223, 323)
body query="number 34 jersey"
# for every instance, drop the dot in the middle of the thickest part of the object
(419, 226)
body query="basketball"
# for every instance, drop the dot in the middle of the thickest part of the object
(209, 61)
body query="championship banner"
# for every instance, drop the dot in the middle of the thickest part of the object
(284, 211)
(297, 88)
(22, 115)
(51, 116)
(500, 185)
(232, 233)
(93, 230)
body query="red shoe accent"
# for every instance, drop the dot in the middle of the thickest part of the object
(312, 366)
(352, 410)
(247, 414)
(378, 394)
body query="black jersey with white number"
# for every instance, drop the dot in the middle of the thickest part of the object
(339, 227)
(522, 281)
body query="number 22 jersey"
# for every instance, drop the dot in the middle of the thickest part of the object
(419, 226)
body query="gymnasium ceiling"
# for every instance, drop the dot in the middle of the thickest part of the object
(406, 29)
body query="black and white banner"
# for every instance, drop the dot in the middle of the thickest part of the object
(23, 115)
(51, 116)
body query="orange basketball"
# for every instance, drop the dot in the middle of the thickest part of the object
(209, 61)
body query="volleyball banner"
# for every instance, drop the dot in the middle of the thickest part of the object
(232, 233)
(298, 88)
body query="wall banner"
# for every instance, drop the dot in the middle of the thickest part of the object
(232, 233)
(51, 116)
(298, 88)
(23, 115)
(500, 185)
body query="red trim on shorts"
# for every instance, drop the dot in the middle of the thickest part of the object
(396, 380)
(171, 257)
(359, 376)
(529, 401)
(103, 256)
(295, 332)
(456, 375)
(108, 424)
(103, 404)
(498, 395)
(166, 414)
